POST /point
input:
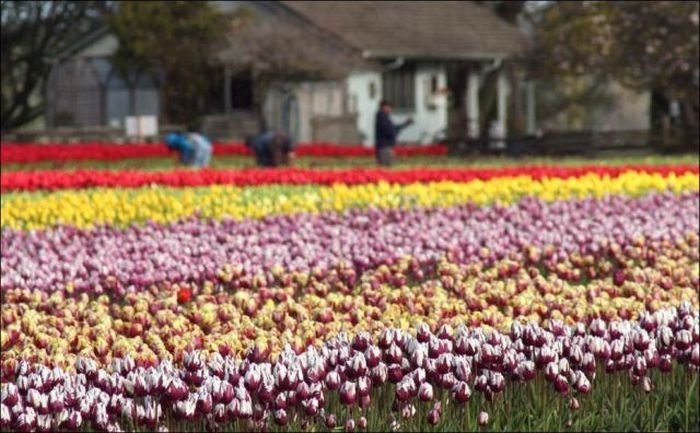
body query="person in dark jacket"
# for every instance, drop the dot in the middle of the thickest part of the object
(385, 133)
(271, 148)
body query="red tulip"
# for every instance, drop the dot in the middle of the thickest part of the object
(184, 295)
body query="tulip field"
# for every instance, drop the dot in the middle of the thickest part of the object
(530, 297)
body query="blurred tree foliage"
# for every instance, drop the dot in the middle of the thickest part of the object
(649, 46)
(33, 32)
(173, 39)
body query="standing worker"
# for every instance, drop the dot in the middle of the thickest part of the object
(385, 133)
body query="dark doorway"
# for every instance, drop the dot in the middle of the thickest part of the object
(242, 92)
(457, 110)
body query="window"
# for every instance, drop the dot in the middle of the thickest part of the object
(399, 88)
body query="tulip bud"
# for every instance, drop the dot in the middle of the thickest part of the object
(9, 394)
(361, 341)
(252, 378)
(683, 339)
(425, 392)
(362, 423)
(583, 385)
(348, 393)
(386, 339)
(393, 355)
(330, 421)
(332, 381)
(574, 404)
(664, 337)
(665, 364)
(646, 383)
(433, 417)
(695, 355)
(483, 418)
(310, 407)
(373, 356)
(526, 370)
(5, 419)
(395, 373)
(561, 385)
(350, 425)
(74, 421)
(461, 392)
(423, 333)
(404, 390)
(357, 366)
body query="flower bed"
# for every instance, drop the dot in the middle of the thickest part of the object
(59, 179)
(529, 298)
(26, 153)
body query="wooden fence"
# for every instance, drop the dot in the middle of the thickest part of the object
(583, 143)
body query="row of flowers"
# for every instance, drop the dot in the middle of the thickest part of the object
(237, 312)
(119, 207)
(60, 179)
(196, 250)
(14, 153)
(348, 379)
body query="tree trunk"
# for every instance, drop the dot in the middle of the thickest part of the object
(516, 118)
(261, 84)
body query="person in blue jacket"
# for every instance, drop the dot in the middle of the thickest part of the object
(271, 148)
(385, 133)
(194, 148)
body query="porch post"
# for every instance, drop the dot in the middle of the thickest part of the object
(531, 116)
(473, 104)
(501, 131)
(227, 89)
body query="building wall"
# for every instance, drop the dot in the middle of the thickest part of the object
(313, 100)
(429, 114)
(364, 102)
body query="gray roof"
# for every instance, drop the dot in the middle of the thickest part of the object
(418, 29)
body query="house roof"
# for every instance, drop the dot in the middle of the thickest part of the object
(415, 29)
(83, 41)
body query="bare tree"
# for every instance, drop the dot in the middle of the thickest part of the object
(33, 31)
